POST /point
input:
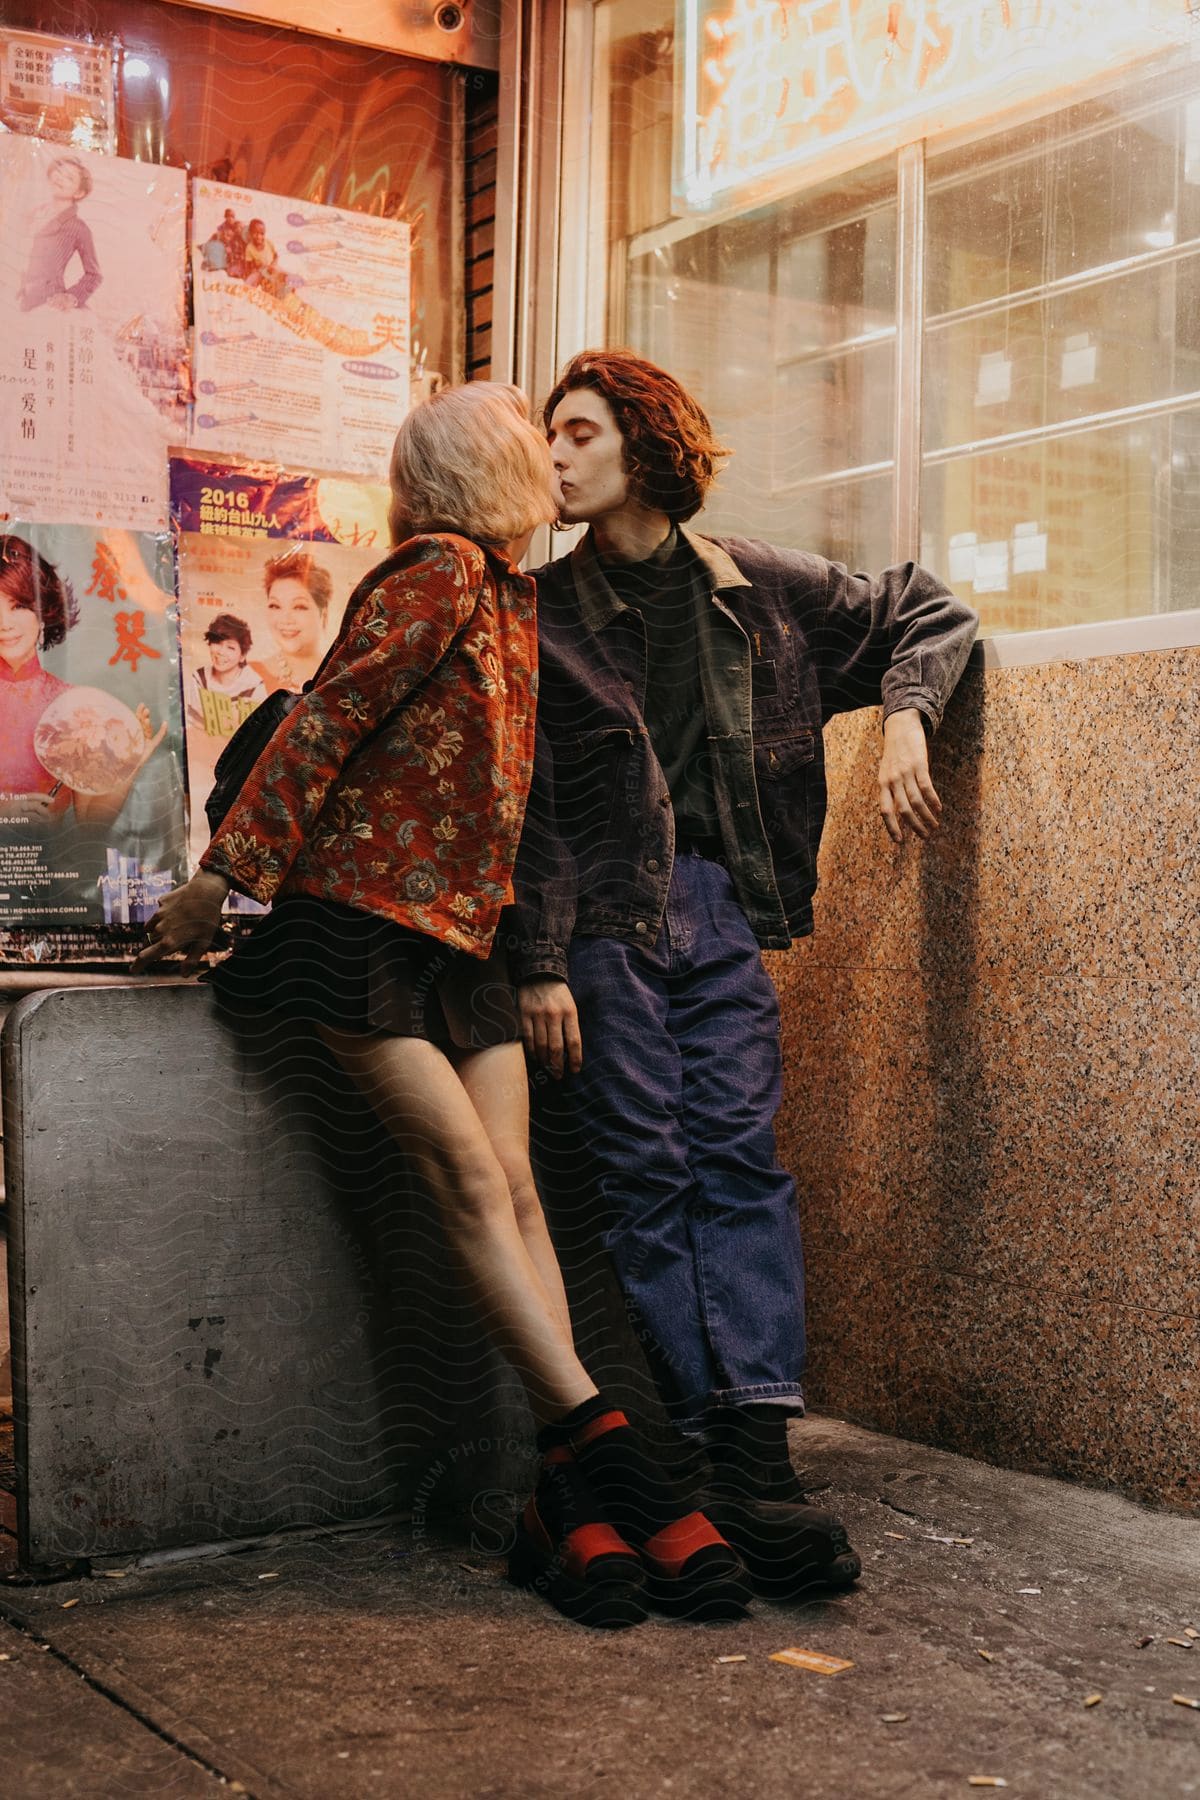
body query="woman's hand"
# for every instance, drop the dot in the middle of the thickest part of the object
(151, 739)
(550, 1025)
(185, 924)
(39, 809)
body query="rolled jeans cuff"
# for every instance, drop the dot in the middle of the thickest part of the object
(786, 1395)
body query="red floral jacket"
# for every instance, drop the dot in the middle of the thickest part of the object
(398, 784)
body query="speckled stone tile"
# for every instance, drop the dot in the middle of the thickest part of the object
(992, 1048)
(1070, 837)
(1047, 1383)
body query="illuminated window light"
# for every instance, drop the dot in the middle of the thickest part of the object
(136, 68)
(64, 72)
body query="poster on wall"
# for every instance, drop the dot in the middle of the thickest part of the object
(93, 354)
(267, 559)
(91, 743)
(302, 330)
(58, 89)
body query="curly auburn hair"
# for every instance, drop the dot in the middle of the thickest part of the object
(31, 582)
(671, 455)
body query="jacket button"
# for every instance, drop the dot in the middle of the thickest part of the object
(641, 927)
(652, 865)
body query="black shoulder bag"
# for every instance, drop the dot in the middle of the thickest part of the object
(243, 751)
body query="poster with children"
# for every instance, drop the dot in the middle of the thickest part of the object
(302, 330)
(91, 744)
(267, 559)
(93, 359)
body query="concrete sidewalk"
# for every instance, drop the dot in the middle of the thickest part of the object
(380, 1663)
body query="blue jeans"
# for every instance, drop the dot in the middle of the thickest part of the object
(681, 1081)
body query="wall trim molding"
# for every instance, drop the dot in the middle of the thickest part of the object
(1080, 643)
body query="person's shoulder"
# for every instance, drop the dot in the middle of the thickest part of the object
(431, 570)
(553, 578)
(445, 553)
(760, 561)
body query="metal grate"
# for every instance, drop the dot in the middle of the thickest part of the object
(482, 112)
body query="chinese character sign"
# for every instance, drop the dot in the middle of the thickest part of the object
(267, 561)
(56, 88)
(302, 330)
(91, 785)
(93, 360)
(773, 87)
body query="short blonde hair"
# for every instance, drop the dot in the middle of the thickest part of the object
(469, 460)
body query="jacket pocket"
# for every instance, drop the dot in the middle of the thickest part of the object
(595, 783)
(775, 757)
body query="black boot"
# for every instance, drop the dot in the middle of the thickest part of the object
(567, 1552)
(756, 1500)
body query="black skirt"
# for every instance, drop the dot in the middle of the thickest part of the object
(322, 963)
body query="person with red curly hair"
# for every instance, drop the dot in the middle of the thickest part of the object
(672, 835)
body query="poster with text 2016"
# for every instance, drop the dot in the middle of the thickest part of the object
(268, 558)
(93, 359)
(91, 741)
(302, 330)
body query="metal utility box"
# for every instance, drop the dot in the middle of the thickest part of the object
(230, 1304)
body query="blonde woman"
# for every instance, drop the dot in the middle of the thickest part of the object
(381, 823)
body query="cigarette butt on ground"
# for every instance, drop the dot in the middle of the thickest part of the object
(814, 1660)
(271, 1575)
(986, 1655)
(1189, 1631)
(1186, 1700)
(67, 1603)
(1183, 1643)
(1092, 1699)
(893, 1718)
(731, 1659)
(900, 1536)
(986, 1781)
(113, 1574)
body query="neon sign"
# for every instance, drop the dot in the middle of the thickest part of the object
(772, 87)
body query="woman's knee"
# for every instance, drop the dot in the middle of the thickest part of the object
(472, 1195)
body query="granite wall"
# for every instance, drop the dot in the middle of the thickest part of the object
(992, 1103)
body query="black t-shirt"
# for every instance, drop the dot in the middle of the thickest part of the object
(666, 590)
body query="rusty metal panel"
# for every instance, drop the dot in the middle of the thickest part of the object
(231, 1309)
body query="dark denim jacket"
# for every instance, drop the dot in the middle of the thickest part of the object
(790, 639)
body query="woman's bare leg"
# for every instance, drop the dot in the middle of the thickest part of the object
(416, 1093)
(498, 1086)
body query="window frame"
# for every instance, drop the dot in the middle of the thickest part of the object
(590, 280)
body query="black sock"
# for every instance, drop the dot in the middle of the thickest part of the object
(638, 1498)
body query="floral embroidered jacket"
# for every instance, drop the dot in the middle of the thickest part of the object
(398, 784)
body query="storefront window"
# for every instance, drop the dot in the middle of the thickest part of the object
(1058, 431)
(1062, 381)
